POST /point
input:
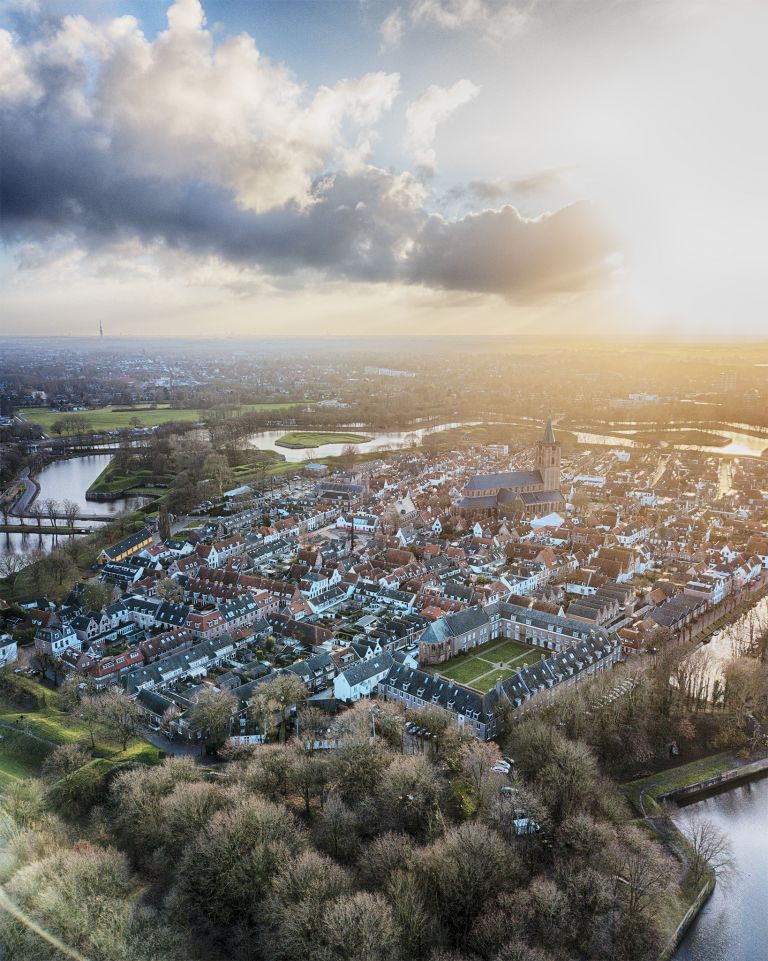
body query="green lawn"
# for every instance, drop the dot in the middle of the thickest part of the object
(112, 418)
(114, 480)
(304, 439)
(21, 756)
(485, 664)
(677, 777)
(466, 670)
(485, 683)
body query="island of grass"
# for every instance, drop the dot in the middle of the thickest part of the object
(116, 417)
(115, 482)
(471, 435)
(690, 437)
(298, 440)
(480, 668)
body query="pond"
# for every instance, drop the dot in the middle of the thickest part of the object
(733, 925)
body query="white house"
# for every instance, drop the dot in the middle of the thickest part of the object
(362, 678)
(8, 650)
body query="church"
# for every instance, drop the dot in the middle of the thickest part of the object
(535, 492)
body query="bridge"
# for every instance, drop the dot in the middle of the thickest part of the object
(104, 518)
(45, 529)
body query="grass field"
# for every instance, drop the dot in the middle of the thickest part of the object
(112, 418)
(113, 480)
(481, 668)
(304, 439)
(21, 756)
(28, 735)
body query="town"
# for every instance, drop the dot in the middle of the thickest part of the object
(271, 590)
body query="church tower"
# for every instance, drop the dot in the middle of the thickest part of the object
(548, 459)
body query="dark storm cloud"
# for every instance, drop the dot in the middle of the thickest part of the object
(497, 251)
(61, 175)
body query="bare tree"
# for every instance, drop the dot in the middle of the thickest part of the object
(710, 850)
(36, 511)
(120, 716)
(70, 510)
(51, 507)
(11, 565)
(212, 716)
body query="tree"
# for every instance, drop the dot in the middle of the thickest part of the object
(170, 590)
(385, 856)
(212, 716)
(96, 596)
(63, 761)
(227, 870)
(120, 715)
(582, 502)
(275, 697)
(48, 666)
(359, 767)
(36, 511)
(409, 795)
(335, 830)
(348, 457)
(710, 849)
(216, 469)
(70, 510)
(462, 872)
(59, 565)
(90, 713)
(359, 928)
(301, 889)
(11, 565)
(477, 761)
(309, 775)
(52, 509)
(642, 873)
(312, 723)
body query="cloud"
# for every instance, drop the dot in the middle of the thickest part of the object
(392, 29)
(494, 20)
(212, 154)
(424, 113)
(498, 251)
(506, 186)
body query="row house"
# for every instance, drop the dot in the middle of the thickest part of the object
(240, 612)
(206, 624)
(530, 687)
(56, 639)
(191, 663)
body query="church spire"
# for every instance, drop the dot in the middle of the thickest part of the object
(549, 433)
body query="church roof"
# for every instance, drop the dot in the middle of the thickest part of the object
(549, 433)
(506, 481)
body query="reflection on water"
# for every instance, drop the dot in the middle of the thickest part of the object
(391, 440)
(67, 480)
(734, 923)
(740, 444)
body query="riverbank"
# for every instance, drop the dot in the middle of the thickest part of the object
(115, 483)
(687, 781)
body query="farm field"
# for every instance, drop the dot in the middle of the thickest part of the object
(302, 439)
(113, 418)
(482, 667)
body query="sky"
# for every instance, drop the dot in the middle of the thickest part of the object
(374, 167)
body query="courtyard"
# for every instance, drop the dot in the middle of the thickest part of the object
(480, 668)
